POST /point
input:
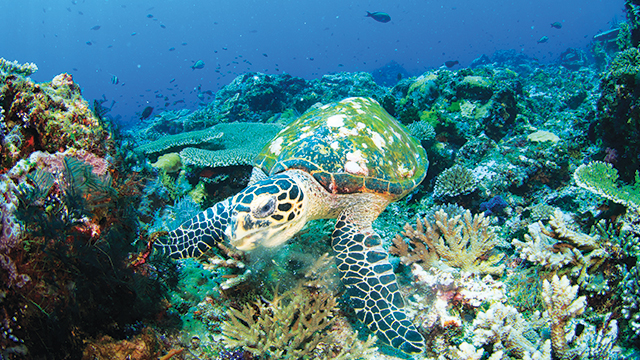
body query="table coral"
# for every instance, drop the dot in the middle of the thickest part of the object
(221, 145)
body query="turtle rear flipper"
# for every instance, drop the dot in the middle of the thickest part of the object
(371, 284)
(196, 236)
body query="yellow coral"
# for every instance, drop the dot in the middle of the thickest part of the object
(294, 325)
(561, 304)
(461, 241)
(168, 162)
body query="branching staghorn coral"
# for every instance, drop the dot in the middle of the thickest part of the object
(503, 326)
(560, 246)
(462, 241)
(562, 306)
(293, 325)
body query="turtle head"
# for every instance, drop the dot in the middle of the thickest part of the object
(267, 213)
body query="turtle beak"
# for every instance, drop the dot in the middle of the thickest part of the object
(241, 232)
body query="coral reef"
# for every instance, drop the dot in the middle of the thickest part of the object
(548, 153)
(47, 117)
(618, 114)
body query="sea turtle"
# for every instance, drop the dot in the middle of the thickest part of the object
(346, 160)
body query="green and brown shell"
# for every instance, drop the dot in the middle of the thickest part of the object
(349, 146)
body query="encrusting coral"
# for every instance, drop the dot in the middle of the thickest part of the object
(462, 241)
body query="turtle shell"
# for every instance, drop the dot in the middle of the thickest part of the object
(349, 146)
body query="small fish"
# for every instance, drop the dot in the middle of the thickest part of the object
(89, 43)
(198, 65)
(543, 40)
(172, 80)
(80, 13)
(109, 47)
(172, 49)
(556, 25)
(149, 16)
(97, 27)
(379, 16)
(162, 26)
(178, 102)
(265, 55)
(133, 33)
(146, 112)
(224, 48)
(184, 44)
(451, 63)
(114, 80)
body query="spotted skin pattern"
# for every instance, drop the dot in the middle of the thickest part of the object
(196, 236)
(371, 285)
(347, 160)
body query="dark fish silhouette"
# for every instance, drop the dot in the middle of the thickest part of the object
(379, 16)
(451, 63)
(89, 43)
(543, 40)
(146, 112)
(149, 16)
(556, 25)
(198, 65)
(97, 27)
(172, 49)
(115, 80)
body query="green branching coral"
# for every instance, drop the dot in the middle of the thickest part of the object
(601, 178)
(293, 325)
(454, 181)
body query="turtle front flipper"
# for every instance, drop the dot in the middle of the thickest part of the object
(197, 235)
(371, 284)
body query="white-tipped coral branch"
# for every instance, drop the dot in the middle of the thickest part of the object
(562, 306)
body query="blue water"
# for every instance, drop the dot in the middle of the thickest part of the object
(301, 38)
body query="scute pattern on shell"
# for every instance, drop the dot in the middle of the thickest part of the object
(349, 146)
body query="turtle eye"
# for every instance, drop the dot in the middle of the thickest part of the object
(265, 207)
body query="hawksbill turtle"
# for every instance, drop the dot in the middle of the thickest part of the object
(346, 160)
